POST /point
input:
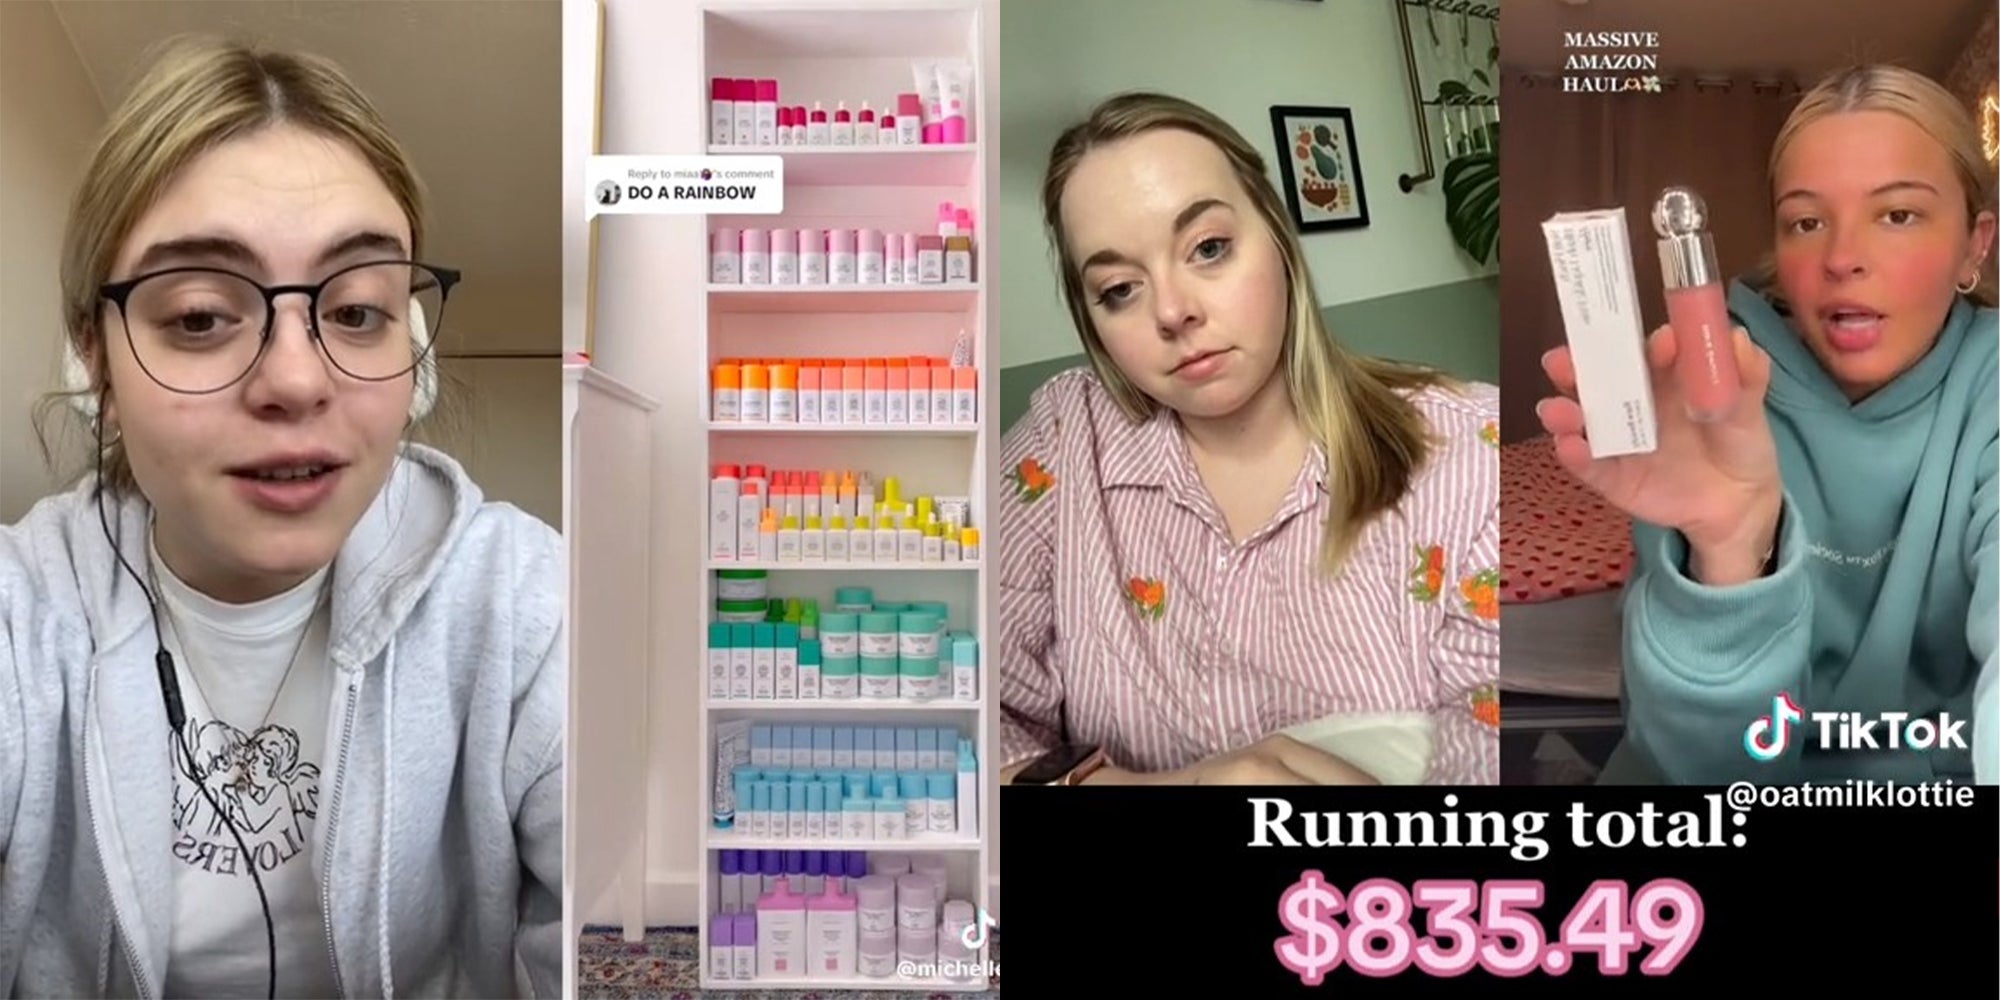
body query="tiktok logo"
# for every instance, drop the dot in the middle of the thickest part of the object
(1767, 737)
(975, 935)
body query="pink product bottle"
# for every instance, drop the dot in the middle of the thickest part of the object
(784, 126)
(817, 130)
(722, 111)
(869, 267)
(909, 119)
(784, 256)
(812, 257)
(892, 259)
(756, 256)
(971, 246)
(767, 112)
(887, 137)
(947, 219)
(1697, 308)
(866, 130)
(843, 125)
(833, 934)
(799, 121)
(910, 253)
(952, 129)
(781, 933)
(745, 109)
(840, 263)
(725, 257)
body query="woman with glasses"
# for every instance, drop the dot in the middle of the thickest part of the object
(281, 696)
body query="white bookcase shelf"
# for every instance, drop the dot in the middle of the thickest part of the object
(933, 298)
(847, 567)
(939, 430)
(827, 53)
(869, 166)
(841, 706)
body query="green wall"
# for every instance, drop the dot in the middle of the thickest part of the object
(1455, 327)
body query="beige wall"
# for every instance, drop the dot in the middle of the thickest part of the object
(49, 113)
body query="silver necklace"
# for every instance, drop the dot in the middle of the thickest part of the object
(319, 604)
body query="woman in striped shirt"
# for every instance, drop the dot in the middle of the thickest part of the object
(1227, 526)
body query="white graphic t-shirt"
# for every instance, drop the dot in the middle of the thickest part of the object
(256, 690)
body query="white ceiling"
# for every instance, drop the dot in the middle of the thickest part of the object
(473, 90)
(1801, 38)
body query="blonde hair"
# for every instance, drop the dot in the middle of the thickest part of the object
(1916, 98)
(198, 94)
(1353, 406)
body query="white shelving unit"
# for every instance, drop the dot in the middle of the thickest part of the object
(828, 53)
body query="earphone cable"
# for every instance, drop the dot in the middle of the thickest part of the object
(170, 690)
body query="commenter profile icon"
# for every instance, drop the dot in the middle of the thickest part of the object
(1767, 737)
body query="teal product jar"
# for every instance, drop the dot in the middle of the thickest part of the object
(881, 678)
(740, 612)
(853, 600)
(840, 635)
(918, 679)
(917, 655)
(742, 585)
(839, 677)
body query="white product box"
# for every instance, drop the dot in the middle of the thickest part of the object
(1590, 254)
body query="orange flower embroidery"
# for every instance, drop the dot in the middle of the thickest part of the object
(1427, 577)
(1149, 596)
(1031, 481)
(1486, 706)
(1490, 433)
(1481, 592)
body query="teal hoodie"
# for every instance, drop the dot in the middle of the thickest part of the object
(1884, 594)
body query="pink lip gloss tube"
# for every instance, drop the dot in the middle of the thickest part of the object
(1697, 309)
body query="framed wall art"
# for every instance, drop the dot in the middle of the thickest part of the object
(1320, 169)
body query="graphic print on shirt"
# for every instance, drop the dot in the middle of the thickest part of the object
(1031, 481)
(1486, 705)
(1427, 576)
(261, 784)
(1490, 433)
(1480, 594)
(1148, 595)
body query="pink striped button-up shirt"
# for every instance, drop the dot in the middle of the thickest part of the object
(1130, 616)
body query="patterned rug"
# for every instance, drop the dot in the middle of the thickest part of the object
(667, 966)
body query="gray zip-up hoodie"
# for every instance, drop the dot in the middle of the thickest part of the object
(439, 842)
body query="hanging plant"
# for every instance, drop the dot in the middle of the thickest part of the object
(1472, 203)
(1471, 182)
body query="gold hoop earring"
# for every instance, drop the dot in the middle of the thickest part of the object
(1966, 289)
